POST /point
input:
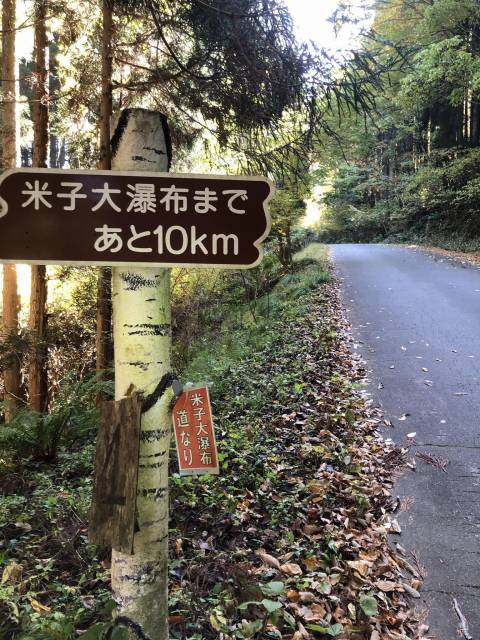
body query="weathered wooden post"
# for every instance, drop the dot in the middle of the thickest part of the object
(142, 339)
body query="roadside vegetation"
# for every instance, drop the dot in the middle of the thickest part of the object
(288, 542)
(408, 170)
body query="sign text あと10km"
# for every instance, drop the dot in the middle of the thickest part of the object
(124, 218)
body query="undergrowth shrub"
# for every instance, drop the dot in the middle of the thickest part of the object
(438, 202)
(72, 419)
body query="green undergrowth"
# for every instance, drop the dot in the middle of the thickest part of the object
(53, 583)
(450, 243)
(287, 542)
(252, 326)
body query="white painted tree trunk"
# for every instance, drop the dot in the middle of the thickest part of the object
(142, 340)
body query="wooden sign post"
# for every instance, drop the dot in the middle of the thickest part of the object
(140, 220)
(142, 345)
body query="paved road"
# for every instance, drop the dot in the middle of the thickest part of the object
(416, 320)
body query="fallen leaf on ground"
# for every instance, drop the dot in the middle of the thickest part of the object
(386, 585)
(38, 607)
(362, 567)
(268, 559)
(291, 569)
(12, 573)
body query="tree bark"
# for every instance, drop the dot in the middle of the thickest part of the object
(55, 144)
(9, 85)
(106, 100)
(37, 375)
(40, 88)
(104, 311)
(11, 375)
(475, 120)
(475, 95)
(103, 338)
(142, 340)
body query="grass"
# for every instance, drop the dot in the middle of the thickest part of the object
(248, 326)
(54, 582)
(314, 251)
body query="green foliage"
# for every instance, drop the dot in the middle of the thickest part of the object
(73, 417)
(58, 584)
(200, 299)
(441, 199)
(249, 325)
(286, 208)
(410, 172)
(444, 71)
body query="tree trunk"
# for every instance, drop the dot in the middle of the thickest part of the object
(475, 117)
(9, 85)
(104, 312)
(142, 340)
(106, 101)
(40, 88)
(37, 375)
(55, 143)
(103, 338)
(11, 375)
(475, 95)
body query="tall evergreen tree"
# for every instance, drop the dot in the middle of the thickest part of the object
(103, 345)
(37, 375)
(11, 374)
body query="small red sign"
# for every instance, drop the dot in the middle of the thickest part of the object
(194, 434)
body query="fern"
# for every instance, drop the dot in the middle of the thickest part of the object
(72, 419)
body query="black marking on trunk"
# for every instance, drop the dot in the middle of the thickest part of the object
(141, 365)
(148, 329)
(152, 465)
(151, 400)
(146, 574)
(135, 281)
(152, 523)
(156, 494)
(120, 130)
(150, 300)
(142, 159)
(123, 621)
(153, 435)
(168, 139)
(160, 454)
(157, 151)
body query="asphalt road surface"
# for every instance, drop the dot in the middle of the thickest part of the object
(416, 322)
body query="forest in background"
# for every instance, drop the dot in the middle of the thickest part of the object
(235, 86)
(242, 95)
(408, 171)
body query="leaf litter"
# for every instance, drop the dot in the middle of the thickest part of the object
(297, 524)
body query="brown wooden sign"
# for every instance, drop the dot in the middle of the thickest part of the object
(50, 216)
